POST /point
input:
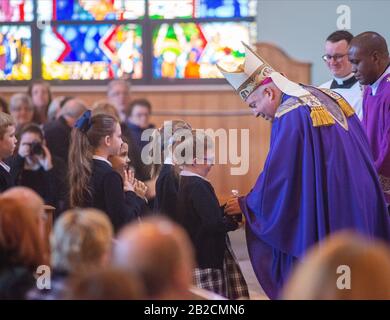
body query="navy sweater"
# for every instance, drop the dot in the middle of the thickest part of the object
(108, 195)
(200, 214)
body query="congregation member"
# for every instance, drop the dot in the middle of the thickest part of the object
(4, 105)
(198, 210)
(22, 247)
(93, 181)
(35, 202)
(106, 284)
(139, 120)
(33, 166)
(159, 253)
(41, 97)
(370, 60)
(55, 107)
(21, 109)
(345, 266)
(344, 81)
(329, 163)
(118, 94)
(81, 243)
(58, 132)
(7, 147)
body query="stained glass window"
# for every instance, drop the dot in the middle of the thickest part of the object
(16, 10)
(191, 50)
(90, 9)
(168, 9)
(15, 52)
(148, 41)
(98, 52)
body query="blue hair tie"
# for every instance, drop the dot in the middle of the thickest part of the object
(84, 122)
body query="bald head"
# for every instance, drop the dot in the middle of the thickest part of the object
(369, 56)
(159, 252)
(73, 108)
(371, 41)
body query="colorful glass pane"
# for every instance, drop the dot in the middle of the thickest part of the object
(191, 50)
(15, 53)
(90, 10)
(169, 9)
(16, 10)
(72, 52)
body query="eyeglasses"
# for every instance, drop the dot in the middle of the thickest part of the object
(336, 57)
(252, 105)
(18, 109)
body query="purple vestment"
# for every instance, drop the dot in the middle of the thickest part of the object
(376, 122)
(315, 181)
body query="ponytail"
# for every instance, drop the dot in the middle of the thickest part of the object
(86, 137)
(162, 142)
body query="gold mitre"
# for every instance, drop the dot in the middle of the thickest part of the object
(249, 75)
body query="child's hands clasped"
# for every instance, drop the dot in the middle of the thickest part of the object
(129, 180)
(140, 188)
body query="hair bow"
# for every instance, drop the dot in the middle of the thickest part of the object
(84, 122)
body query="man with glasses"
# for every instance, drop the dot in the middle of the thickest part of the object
(344, 81)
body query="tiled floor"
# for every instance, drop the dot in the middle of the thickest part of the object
(238, 242)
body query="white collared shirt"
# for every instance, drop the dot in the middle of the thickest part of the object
(186, 173)
(5, 166)
(168, 160)
(353, 95)
(101, 159)
(375, 85)
(341, 80)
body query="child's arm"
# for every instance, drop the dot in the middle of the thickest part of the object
(122, 207)
(207, 208)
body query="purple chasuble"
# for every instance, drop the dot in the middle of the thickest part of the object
(376, 122)
(315, 181)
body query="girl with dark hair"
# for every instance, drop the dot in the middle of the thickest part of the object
(93, 181)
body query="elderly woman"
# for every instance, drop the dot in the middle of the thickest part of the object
(21, 109)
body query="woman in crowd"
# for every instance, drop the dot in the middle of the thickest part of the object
(40, 93)
(21, 109)
(81, 243)
(22, 247)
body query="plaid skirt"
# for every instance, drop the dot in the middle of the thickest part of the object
(228, 281)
